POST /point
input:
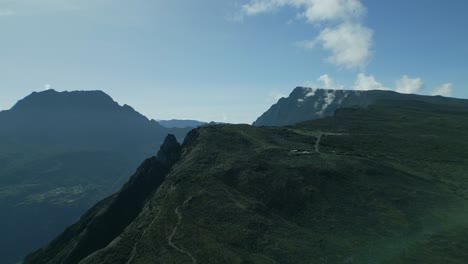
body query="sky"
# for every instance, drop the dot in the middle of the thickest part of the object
(229, 60)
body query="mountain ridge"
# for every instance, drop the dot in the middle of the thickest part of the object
(305, 104)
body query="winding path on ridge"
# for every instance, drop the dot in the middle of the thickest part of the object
(317, 143)
(134, 250)
(320, 136)
(180, 217)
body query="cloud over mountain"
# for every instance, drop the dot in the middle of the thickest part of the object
(409, 85)
(363, 82)
(342, 32)
(444, 90)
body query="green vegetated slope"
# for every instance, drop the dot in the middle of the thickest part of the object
(384, 184)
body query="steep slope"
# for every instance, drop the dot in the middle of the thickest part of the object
(60, 153)
(108, 219)
(381, 184)
(305, 104)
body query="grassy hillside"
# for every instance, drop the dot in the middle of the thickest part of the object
(385, 184)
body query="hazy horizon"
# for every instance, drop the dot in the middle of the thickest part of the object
(181, 118)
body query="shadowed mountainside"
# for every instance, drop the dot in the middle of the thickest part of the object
(60, 153)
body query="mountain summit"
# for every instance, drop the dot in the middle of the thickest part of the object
(53, 100)
(90, 118)
(305, 104)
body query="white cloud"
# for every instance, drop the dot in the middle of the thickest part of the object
(324, 82)
(313, 11)
(311, 92)
(349, 43)
(364, 82)
(344, 35)
(329, 83)
(444, 90)
(405, 84)
(329, 99)
(329, 10)
(408, 85)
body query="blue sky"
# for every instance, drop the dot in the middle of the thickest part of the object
(229, 60)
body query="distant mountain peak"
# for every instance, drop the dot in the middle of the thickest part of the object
(78, 114)
(306, 103)
(51, 99)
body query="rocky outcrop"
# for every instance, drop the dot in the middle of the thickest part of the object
(170, 151)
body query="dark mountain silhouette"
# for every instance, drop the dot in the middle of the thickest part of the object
(60, 152)
(91, 118)
(383, 183)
